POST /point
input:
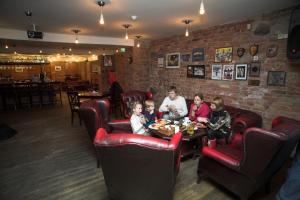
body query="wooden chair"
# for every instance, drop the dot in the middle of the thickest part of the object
(74, 104)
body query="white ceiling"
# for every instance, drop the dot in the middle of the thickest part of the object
(156, 19)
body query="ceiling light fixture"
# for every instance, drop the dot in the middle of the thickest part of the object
(201, 10)
(101, 4)
(138, 41)
(126, 26)
(76, 31)
(187, 22)
(6, 46)
(41, 51)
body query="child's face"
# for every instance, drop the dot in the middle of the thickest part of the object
(150, 108)
(138, 109)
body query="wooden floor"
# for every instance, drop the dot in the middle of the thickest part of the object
(50, 159)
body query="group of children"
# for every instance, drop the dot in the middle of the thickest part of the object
(140, 120)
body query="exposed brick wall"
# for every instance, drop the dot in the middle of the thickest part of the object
(269, 101)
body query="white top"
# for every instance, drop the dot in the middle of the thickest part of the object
(179, 103)
(136, 125)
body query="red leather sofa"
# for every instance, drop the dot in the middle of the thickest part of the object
(138, 167)
(244, 170)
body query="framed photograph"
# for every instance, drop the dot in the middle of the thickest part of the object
(254, 69)
(241, 72)
(185, 57)
(216, 72)
(173, 60)
(190, 71)
(108, 61)
(160, 62)
(223, 54)
(198, 54)
(57, 68)
(276, 78)
(199, 71)
(95, 68)
(228, 71)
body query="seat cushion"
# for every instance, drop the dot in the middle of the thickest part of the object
(225, 154)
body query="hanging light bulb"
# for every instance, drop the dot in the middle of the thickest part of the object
(201, 10)
(101, 4)
(126, 26)
(187, 22)
(138, 41)
(6, 46)
(76, 31)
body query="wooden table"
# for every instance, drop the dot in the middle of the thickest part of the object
(191, 144)
(90, 95)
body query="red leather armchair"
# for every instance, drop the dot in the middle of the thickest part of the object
(245, 170)
(96, 114)
(127, 98)
(138, 167)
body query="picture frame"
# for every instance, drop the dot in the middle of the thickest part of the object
(216, 72)
(173, 60)
(160, 62)
(254, 70)
(198, 55)
(276, 78)
(108, 61)
(190, 71)
(57, 68)
(185, 57)
(241, 71)
(199, 71)
(95, 68)
(228, 71)
(223, 54)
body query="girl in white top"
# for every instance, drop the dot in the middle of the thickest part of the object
(137, 119)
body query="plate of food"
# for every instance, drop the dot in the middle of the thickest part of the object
(162, 121)
(155, 126)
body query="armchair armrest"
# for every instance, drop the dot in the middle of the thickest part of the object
(246, 120)
(122, 125)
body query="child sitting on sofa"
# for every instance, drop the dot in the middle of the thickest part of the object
(219, 123)
(137, 119)
(150, 115)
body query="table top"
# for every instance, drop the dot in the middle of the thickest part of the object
(90, 94)
(199, 132)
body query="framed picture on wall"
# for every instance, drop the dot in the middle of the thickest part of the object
(241, 72)
(276, 78)
(223, 54)
(108, 61)
(19, 69)
(254, 70)
(216, 72)
(57, 68)
(190, 71)
(199, 71)
(95, 68)
(228, 71)
(198, 54)
(173, 60)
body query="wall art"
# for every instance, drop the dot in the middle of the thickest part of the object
(241, 72)
(216, 72)
(185, 57)
(276, 78)
(240, 52)
(254, 69)
(160, 62)
(173, 60)
(253, 50)
(198, 54)
(108, 61)
(228, 71)
(272, 51)
(223, 54)
(190, 71)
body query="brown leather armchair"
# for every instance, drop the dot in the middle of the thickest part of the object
(137, 166)
(245, 170)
